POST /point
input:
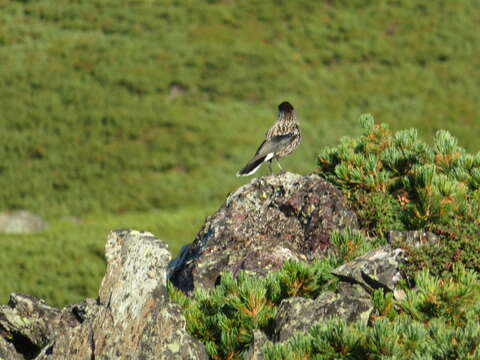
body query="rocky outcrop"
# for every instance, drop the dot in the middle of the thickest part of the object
(21, 222)
(379, 268)
(263, 223)
(131, 319)
(30, 324)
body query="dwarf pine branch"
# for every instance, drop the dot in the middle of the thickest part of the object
(395, 181)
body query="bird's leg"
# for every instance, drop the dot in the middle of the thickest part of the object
(279, 165)
(270, 166)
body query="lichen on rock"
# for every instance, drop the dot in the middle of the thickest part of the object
(262, 224)
(131, 319)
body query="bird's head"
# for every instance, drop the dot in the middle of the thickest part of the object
(285, 107)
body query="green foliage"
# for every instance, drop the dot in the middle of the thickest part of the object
(384, 304)
(306, 280)
(224, 318)
(377, 211)
(394, 181)
(438, 320)
(456, 298)
(350, 243)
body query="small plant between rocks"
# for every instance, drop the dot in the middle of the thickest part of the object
(439, 319)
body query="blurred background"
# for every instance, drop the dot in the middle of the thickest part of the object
(137, 114)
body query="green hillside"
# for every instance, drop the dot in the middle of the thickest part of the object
(139, 114)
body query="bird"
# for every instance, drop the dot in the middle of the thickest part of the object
(280, 140)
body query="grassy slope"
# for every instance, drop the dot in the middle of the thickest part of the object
(89, 126)
(69, 255)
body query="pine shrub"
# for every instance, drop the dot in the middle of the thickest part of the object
(394, 181)
(225, 317)
(438, 320)
(351, 243)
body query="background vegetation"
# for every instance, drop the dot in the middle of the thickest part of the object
(139, 114)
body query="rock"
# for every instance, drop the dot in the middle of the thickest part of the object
(263, 223)
(413, 238)
(255, 350)
(177, 89)
(294, 315)
(8, 351)
(21, 222)
(32, 324)
(379, 268)
(350, 302)
(132, 318)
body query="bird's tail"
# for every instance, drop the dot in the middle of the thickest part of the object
(254, 164)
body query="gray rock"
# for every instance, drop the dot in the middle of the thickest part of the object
(255, 350)
(351, 302)
(263, 223)
(296, 314)
(413, 238)
(379, 268)
(31, 324)
(21, 222)
(8, 351)
(132, 318)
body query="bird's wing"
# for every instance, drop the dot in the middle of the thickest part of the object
(274, 144)
(266, 152)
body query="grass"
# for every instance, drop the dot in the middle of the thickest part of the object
(110, 110)
(65, 263)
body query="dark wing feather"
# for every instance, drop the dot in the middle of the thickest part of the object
(270, 146)
(252, 165)
(274, 144)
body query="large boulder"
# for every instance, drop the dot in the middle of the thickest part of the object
(263, 223)
(131, 319)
